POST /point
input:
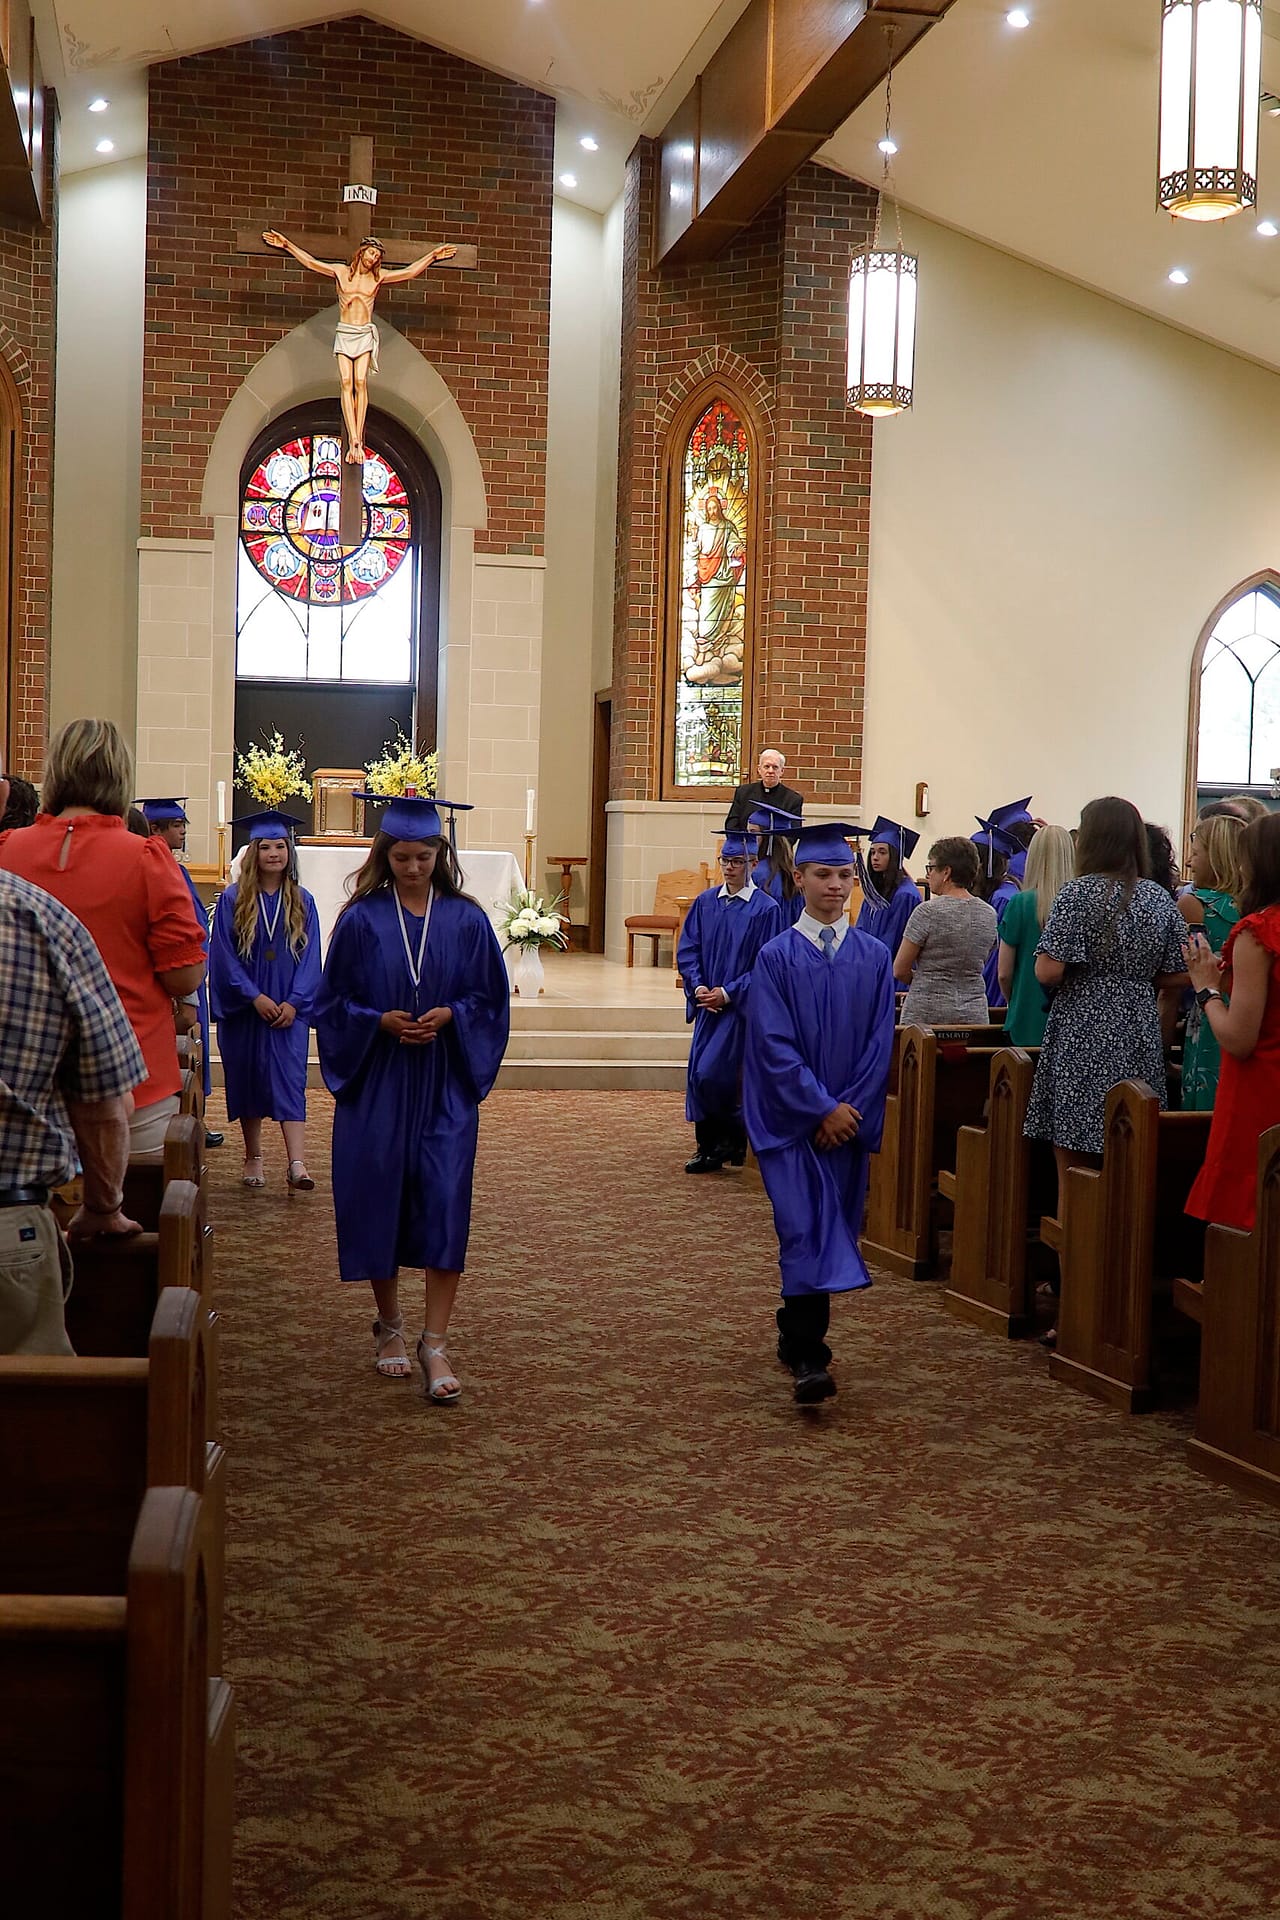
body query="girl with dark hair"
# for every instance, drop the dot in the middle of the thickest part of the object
(1162, 867)
(889, 895)
(775, 872)
(264, 973)
(412, 1024)
(1111, 941)
(1247, 1029)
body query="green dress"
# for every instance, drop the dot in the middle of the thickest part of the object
(1201, 1054)
(1028, 1005)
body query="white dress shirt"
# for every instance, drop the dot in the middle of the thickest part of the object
(813, 929)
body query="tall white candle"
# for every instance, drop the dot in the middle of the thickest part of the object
(528, 810)
(222, 803)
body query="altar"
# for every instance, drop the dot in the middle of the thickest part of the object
(490, 878)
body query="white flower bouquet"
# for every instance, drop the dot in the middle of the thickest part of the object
(529, 922)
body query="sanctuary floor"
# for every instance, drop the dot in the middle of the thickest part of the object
(627, 1637)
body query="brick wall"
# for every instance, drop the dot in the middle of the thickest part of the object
(770, 313)
(28, 272)
(255, 136)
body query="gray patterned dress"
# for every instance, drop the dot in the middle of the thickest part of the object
(1103, 1025)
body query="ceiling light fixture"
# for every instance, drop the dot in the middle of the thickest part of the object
(1018, 17)
(99, 105)
(1210, 67)
(882, 301)
(1179, 277)
(589, 143)
(568, 179)
(105, 146)
(1268, 229)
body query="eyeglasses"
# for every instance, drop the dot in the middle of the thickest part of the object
(931, 866)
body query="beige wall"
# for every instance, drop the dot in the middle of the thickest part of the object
(98, 443)
(1074, 491)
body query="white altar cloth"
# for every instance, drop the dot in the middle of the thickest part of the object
(490, 878)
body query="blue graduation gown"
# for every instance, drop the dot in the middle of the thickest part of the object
(818, 1032)
(718, 948)
(265, 1068)
(888, 923)
(991, 968)
(407, 1118)
(202, 995)
(772, 885)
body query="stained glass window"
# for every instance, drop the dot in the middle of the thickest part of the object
(307, 608)
(715, 566)
(1239, 740)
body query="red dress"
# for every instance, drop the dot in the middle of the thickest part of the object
(1248, 1099)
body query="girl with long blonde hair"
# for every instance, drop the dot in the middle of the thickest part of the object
(264, 973)
(1050, 864)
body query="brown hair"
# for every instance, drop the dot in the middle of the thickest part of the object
(368, 241)
(1260, 861)
(1113, 842)
(89, 765)
(781, 862)
(248, 892)
(375, 875)
(1249, 805)
(959, 856)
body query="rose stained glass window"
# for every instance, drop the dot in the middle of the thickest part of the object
(1240, 694)
(307, 609)
(714, 571)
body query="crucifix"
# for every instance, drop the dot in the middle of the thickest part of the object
(369, 265)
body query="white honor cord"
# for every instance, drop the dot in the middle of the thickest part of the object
(415, 969)
(273, 921)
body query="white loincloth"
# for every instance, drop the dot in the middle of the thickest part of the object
(350, 342)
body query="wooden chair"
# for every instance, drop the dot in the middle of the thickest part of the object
(672, 895)
(1121, 1232)
(115, 1747)
(937, 1085)
(1001, 1185)
(1237, 1432)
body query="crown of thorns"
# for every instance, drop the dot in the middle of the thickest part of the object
(371, 240)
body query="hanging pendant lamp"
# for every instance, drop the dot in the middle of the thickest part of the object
(1210, 82)
(882, 304)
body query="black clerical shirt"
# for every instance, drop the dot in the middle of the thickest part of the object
(755, 794)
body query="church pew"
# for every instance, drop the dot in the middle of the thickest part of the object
(1001, 1184)
(1121, 1234)
(938, 1083)
(118, 1281)
(1237, 1431)
(82, 1440)
(145, 1180)
(191, 1093)
(115, 1747)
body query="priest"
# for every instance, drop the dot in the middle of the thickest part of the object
(766, 789)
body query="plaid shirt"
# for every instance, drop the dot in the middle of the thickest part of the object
(63, 1035)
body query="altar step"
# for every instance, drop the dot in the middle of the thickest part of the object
(578, 1048)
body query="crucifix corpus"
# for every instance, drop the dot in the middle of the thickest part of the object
(369, 266)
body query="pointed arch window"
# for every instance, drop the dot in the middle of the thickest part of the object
(713, 500)
(1238, 731)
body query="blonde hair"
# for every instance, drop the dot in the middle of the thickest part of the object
(1051, 862)
(1218, 838)
(245, 921)
(1250, 805)
(89, 765)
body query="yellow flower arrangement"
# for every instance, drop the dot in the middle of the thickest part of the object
(402, 766)
(271, 773)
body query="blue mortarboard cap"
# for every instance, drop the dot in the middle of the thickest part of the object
(410, 816)
(158, 813)
(826, 844)
(1013, 812)
(994, 838)
(738, 846)
(271, 824)
(767, 819)
(888, 833)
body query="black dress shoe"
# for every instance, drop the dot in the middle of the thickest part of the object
(813, 1383)
(703, 1162)
(213, 1139)
(736, 1157)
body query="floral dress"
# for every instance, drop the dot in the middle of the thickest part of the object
(1103, 1026)
(1201, 1054)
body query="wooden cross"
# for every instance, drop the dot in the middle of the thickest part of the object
(361, 199)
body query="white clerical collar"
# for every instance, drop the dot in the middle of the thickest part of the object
(813, 930)
(744, 893)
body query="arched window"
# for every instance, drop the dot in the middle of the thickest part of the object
(713, 499)
(1237, 730)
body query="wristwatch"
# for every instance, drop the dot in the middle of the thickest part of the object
(1206, 994)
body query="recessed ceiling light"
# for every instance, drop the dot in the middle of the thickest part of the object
(106, 146)
(99, 105)
(589, 143)
(1018, 17)
(888, 144)
(568, 179)
(1268, 229)
(1178, 278)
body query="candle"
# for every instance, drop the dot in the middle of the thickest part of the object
(222, 803)
(528, 810)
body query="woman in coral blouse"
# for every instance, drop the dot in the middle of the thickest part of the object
(1239, 995)
(130, 895)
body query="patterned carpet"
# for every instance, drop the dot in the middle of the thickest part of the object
(627, 1636)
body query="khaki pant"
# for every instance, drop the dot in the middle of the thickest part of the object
(35, 1279)
(148, 1127)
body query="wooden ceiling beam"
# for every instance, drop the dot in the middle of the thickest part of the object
(789, 74)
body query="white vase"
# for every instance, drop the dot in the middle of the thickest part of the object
(528, 972)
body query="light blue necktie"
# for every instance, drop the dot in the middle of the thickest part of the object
(828, 939)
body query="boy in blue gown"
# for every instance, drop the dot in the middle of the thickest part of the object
(815, 1074)
(889, 895)
(994, 842)
(167, 820)
(724, 930)
(412, 1024)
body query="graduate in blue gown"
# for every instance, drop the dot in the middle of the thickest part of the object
(167, 820)
(412, 1025)
(889, 895)
(723, 932)
(1015, 818)
(264, 973)
(997, 887)
(774, 871)
(815, 1073)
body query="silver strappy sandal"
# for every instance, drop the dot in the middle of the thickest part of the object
(447, 1390)
(396, 1366)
